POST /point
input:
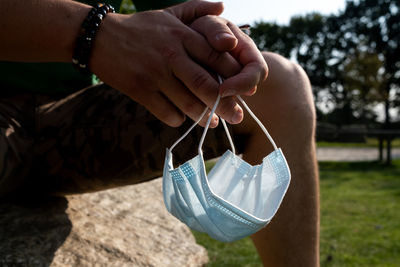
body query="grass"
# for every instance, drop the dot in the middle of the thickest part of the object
(239, 253)
(370, 142)
(360, 219)
(360, 205)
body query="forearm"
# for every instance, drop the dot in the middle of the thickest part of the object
(39, 30)
(154, 57)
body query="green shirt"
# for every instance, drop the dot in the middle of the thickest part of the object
(56, 78)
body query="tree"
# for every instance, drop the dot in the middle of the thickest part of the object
(312, 41)
(352, 58)
(375, 24)
(365, 80)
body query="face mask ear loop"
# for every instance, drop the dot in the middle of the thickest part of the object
(229, 136)
(189, 130)
(258, 122)
(208, 125)
(220, 80)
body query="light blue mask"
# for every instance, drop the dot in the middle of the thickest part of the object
(236, 199)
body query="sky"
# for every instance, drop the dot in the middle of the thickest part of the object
(280, 11)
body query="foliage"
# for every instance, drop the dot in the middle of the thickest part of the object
(376, 26)
(127, 7)
(352, 58)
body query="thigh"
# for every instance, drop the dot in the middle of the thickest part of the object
(16, 140)
(98, 138)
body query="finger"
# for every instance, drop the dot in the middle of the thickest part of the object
(188, 103)
(205, 87)
(163, 109)
(191, 10)
(200, 50)
(244, 83)
(255, 69)
(218, 34)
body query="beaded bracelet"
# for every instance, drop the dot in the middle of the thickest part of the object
(87, 34)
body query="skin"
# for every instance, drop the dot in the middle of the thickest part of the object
(285, 106)
(175, 54)
(184, 45)
(284, 103)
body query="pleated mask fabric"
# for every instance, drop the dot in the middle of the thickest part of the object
(232, 201)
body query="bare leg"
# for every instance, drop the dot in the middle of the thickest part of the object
(284, 104)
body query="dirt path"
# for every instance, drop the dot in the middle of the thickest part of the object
(352, 154)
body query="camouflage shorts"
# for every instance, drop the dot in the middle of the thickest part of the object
(94, 139)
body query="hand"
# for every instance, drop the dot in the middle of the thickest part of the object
(254, 68)
(156, 59)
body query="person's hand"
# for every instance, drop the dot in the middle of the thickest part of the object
(155, 58)
(254, 68)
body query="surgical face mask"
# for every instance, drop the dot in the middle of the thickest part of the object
(235, 199)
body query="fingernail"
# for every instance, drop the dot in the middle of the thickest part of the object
(253, 91)
(224, 35)
(214, 121)
(237, 116)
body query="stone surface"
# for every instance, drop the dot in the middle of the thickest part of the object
(127, 226)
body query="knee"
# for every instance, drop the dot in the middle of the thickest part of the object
(289, 87)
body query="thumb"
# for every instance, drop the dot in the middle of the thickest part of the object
(191, 10)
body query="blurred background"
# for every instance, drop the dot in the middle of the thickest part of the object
(351, 53)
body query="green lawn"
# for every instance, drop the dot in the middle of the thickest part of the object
(360, 219)
(370, 142)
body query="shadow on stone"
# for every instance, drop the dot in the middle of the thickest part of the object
(32, 230)
(125, 226)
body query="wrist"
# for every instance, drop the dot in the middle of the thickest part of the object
(112, 40)
(87, 35)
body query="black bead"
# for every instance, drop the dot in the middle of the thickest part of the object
(87, 34)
